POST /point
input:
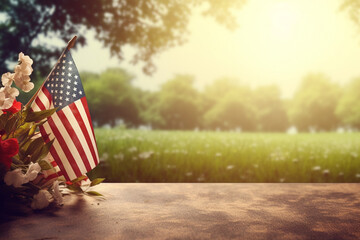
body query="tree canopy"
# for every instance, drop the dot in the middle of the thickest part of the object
(150, 26)
(314, 104)
(348, 108)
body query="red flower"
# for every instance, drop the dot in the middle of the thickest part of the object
(8, 149)
(14, 108)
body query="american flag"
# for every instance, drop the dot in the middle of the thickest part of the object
(74, 149)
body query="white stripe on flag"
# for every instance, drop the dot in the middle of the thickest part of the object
(69, 142)
(75, 125)
(44, 99)
(83, 114)
(60, 152)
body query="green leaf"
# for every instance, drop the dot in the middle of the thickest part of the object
(10, 124)
(3, 120)
(38, 116)
(34, 146)
(45, 149)
(94, 193)
(79, 179)
(44, 165)
(96, 181)
(75, 188)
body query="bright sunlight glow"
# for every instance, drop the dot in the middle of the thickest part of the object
(283, 20)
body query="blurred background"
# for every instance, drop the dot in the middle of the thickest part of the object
(206, 90)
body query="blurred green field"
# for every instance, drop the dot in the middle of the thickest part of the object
(185, 156)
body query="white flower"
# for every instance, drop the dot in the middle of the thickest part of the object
(7, 79)
(229, 167)
(316, 168)
(10, 92)
(15, 178)
(22, 72)
(23, 82)
(5, 102)
(7, 96)
(32, 172)
(57, 194)
(24, 59)
(41, 200)
(24, 68)
(146, 155)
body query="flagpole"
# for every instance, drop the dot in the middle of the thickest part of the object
(70, 45)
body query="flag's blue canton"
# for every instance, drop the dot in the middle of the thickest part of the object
(64, 83)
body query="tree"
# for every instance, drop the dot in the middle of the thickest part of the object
(234, 110)
(112, 97)
(270, 109)
(213, 92)
(314, 104)
(176, 105)
(348, 108)
(150, 26)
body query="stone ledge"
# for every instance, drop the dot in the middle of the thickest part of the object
(199, 211)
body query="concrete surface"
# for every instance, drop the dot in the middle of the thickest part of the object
(198, 211)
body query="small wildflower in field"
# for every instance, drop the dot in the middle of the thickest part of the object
(354, 155)
(256, 165)
(119, 156)
(171, 166)
(316, 168)
(295, 160)
(326, 172)
(229, 167)
(201, 178)
(189, 174)
(132, 149)
(218, 154)
(282, 180)
(104, 157)
(357, 175)
(146, 155)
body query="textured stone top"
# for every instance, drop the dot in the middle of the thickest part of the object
(198, 211)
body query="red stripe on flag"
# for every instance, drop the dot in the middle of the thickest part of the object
(79, 119)
(53, 152)
(39, 103)
(47, 94)
(74, 138)
(84, 102)
(65, 148)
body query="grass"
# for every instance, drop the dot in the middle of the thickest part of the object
(184, 156)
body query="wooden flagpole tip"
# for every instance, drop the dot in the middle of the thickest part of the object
(71, 43)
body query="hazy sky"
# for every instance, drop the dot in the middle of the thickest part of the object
(277, 42)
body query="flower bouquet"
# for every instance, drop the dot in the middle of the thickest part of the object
(29, 173)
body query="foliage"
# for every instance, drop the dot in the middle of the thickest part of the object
(149, 26)
(189, 156)
(314, 104)
(112, 97)
(234, 110)
(348, 108)
(177, 104)
(270, 109)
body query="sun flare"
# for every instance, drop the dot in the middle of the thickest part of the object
(283, 19)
